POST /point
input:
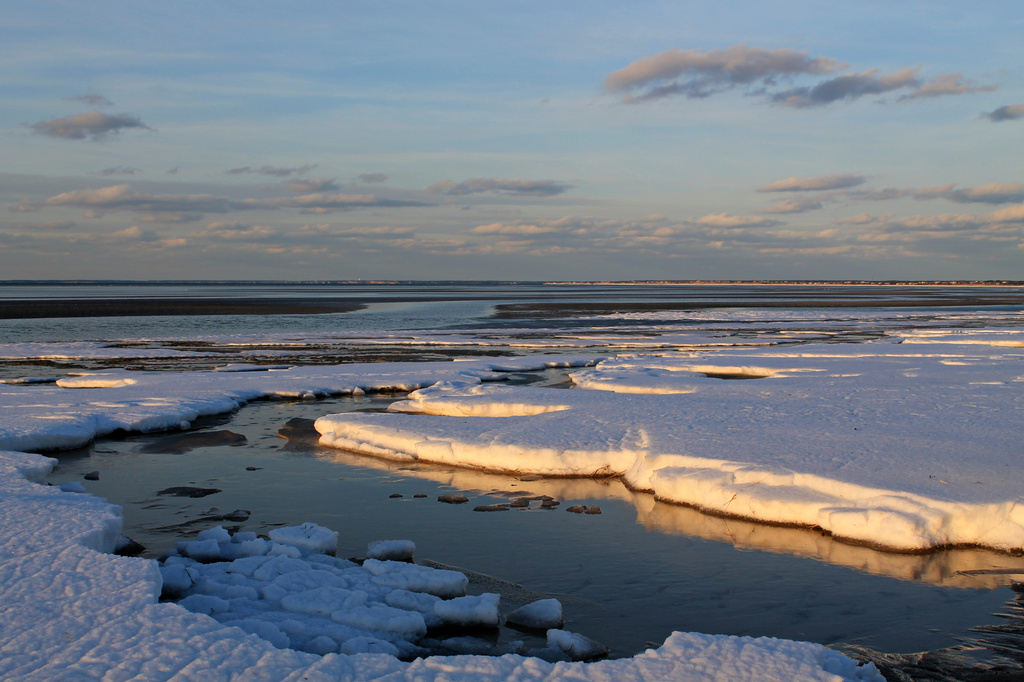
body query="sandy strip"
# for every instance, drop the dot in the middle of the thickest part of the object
(42, 308)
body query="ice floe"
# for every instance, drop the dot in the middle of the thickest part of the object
(876, 442)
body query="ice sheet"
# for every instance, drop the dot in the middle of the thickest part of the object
(883, 443)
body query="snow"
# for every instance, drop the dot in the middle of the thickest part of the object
(808, 436)
(541, 614)
(394, 550)
(67, 416)
(811, 442)
(74, 611)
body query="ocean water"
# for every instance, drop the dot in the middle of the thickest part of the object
(627, 577)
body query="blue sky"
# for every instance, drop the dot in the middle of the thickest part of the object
(523, 140)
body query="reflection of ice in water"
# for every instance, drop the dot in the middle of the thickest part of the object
(939, 567)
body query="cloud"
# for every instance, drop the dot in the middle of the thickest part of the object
(821, 182)
(859, 219)
(519, 228)
(133, 234)
(178, 208)
(312, 185)
(124, 198)
(94, 124)
(319, 203)
(847, 87)
(881, 194)
(92, 99)
(518, 187)
(120, 170)
(948, 84)
(726, 220)
(1011, 112)
(271, 170)
(795, 206)
(697, 74)
(993, 193)
(373, 177)
(237, 231)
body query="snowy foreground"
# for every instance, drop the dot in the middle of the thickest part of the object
(910, 442)
(72, 610)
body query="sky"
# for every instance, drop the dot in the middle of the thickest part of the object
(791, 139)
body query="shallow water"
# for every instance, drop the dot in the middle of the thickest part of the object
(628, 577)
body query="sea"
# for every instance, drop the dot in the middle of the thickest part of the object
(628, 576)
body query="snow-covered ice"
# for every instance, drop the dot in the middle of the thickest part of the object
(884, 443)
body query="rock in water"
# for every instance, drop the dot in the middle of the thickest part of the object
(188, 491)
(453, 498)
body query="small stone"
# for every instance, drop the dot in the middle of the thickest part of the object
(253, 468)
(549, 504)
(419, 495)
(238, 515)
(396, 495)
(453, 498)
(576, 509)
(92, 476)
(593, 509)
(491, 507)
(520, 502)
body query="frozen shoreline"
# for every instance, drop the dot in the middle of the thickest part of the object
(660, 421)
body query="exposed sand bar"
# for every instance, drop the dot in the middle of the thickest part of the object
(131, 307)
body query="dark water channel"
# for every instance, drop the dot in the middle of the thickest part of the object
(627, 577)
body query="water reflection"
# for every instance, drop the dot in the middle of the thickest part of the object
(946, 568)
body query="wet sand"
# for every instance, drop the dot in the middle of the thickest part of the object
(142, 307)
